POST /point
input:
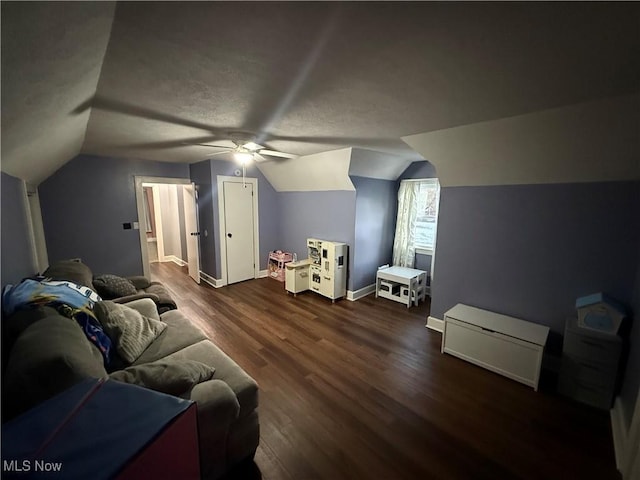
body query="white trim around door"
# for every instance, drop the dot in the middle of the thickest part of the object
(221, 230)
(139, 180)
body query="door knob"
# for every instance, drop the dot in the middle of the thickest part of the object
(229, 235)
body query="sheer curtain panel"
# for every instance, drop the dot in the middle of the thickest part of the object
(404, 250)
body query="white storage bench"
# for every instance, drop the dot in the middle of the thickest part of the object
(502, 344)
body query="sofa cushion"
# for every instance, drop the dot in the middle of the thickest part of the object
(244, 387)
(130, 331)
(180, 333)
(50, 356)
(15, 324)
(165, 301)
(139, 281)
(72, 270)
(167, 375)
(112, 286)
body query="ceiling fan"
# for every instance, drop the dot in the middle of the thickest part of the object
(244, 152)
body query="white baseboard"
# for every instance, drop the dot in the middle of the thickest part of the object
(436, 324)
(214, 282)
(263, 274)
(174, 259)
(618, 426)
(361, 293)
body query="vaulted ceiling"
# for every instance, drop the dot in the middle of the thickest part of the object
(144, 79)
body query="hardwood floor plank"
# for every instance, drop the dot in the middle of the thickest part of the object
(360, 390)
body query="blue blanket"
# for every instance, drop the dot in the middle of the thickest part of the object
(71, 300)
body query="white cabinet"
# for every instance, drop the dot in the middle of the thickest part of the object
(502, 344)
(297, 276)
(590, 361)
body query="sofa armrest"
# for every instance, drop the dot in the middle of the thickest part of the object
(145, 306)
(218, 406)
(218, 410)
(137, 296)
(140, 282)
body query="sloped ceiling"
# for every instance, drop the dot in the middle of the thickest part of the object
(587, 142)
(317, 172)
(51, 58)
(300, 77)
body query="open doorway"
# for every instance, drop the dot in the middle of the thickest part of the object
(168, 223)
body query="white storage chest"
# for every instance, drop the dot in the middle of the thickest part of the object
(502, 344)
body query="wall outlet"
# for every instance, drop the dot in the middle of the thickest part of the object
(136, 226)
(126, 226)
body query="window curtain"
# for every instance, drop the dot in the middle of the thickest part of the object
(404, 251)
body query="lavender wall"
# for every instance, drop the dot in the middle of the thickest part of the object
(84, 205)
(530, 250)
(324, 215)
(375, 220)
(422, 169)
(267, 206)
(201, 175)
(17, 259)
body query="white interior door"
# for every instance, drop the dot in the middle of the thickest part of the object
(192, 233)
(238, 231)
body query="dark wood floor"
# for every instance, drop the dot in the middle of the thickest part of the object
(360, 390)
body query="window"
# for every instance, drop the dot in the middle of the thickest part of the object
(427, 216)
(417, 220)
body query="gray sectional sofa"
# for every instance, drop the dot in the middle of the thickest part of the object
(48, 353)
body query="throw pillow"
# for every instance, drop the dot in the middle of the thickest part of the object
(112, 286)
(129, 330)
(166, 375)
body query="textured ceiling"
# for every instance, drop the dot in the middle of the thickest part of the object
(300, 77)
(51, 59)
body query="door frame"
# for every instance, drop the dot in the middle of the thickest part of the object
(139, 180)
(631, 465)
(191, 198)
(222, 221)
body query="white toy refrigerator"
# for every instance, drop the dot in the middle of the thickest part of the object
(328, 269)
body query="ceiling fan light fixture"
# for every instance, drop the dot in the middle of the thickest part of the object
(243, 157)
(252, 146)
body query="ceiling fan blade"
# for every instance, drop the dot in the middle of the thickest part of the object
(220, 153)
(259, 158)
(111, 105)
(273, 153)
(226, 144)
(353, 141)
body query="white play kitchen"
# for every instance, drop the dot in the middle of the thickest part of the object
(324, 272)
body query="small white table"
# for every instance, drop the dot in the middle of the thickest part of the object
(402, 284)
